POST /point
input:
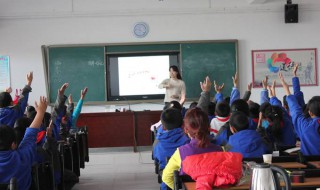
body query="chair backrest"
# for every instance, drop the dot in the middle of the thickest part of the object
(12, 185)
(179, 179)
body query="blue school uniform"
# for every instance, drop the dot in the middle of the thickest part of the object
(18, 163)
(235, 95)
(168, 142)
(10, 114)
(307, 129)
(247, 142)
(297, 92)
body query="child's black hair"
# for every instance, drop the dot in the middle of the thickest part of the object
(239, 120)
(240, 105)
(222, 109)
(227, 99)
(211, 108)
(193, 105)
(5, 99)
(7, 137)
(275, 114)
(20, 127)
(254, 109)
(171, 118)
(314, 105)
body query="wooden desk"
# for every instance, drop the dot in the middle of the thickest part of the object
(119, 129)
(290, 165)
(308, 182)
(315, 163)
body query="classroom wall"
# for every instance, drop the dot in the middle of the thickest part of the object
(26, 25)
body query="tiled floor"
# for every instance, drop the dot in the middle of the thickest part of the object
(118, 168)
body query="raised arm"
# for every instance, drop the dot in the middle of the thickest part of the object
(235, 94)
(41, 108)
(60, 101)
(296, 86)
(247, 93)
(264, 97)
(204, 99)
(23, 99)
(218, 89)
(78, 108)
(273, 97)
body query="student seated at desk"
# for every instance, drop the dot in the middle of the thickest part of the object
(245, 141)
(17, 162)
(170, 139)
(196, 125)
(307, 128)
(8, 113)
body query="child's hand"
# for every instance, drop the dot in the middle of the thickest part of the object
(218, 88)
(29, 78)
(260, 119)
(249, 87)
(42, 106)
(265, 83)
(9, 90)
(295, 68)
(235, 79)
(49, 129)
(70, 99)
(83, 93)
(272, 89)
(62, 89)
(206, 85)
(284, 84)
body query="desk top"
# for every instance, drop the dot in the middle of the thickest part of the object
(290, 165)
(308, 182)
(315, 163)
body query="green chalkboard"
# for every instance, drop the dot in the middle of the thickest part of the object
(80, 67)
(218, 60)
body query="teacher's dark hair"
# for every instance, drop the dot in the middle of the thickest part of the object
(175, 68)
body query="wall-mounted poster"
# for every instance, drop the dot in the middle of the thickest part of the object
(270, 62)
(4, 72)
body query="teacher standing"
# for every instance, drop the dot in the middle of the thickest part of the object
(175, 87)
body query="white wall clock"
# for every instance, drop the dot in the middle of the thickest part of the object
(140, 29)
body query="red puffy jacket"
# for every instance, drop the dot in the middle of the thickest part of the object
(214, 169)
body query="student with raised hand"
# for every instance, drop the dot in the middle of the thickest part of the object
(307, 129)
(245, 141)
(218, 88)
(235, 94)
(18, 162)
(197, 127)
(247, 93)
(279, 124)
(59, 110)
(9, 113)
(204, 99)
(264, 95)
(76, 112)
(175, 86)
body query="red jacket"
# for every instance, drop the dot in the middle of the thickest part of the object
(214, 169)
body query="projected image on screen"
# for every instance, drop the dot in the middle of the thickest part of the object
(137, 76)
(142, 75)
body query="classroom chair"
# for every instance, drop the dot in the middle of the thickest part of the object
(12, 185)
(179, 179)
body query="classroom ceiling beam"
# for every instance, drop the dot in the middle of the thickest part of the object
(256, 1)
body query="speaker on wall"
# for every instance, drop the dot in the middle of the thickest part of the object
(291, 13)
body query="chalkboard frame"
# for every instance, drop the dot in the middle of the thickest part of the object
(45, 51)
